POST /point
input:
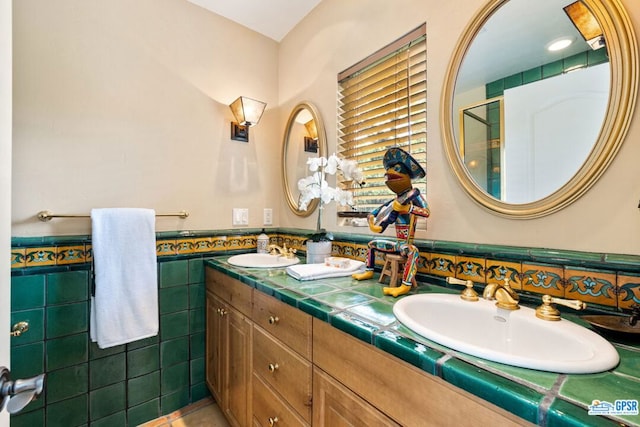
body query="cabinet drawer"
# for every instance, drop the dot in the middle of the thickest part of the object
(232, 291)
(287, 323)
(270, 410)
(284, 370)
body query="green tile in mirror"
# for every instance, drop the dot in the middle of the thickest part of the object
(143, 361)
(144, 412)
(66, 287)
(173, 299)
(66, 383)
(197, 320)
(174, 401)
(174, 325)
(27, 360)
(174, 379)
(174, 273)
(28, 419)
(117, 419)
(174, 351)
(67, 319)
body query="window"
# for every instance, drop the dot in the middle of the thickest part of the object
(382, 104)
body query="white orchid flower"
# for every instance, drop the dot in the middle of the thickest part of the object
(316, 163)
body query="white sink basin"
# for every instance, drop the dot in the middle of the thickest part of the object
(516, 338)
(262, 261)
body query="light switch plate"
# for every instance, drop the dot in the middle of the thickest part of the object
(267, 216)
(240, 216)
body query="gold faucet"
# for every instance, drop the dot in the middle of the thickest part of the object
(469, 294)
(504, 295)
(548, 312)
(283, 251)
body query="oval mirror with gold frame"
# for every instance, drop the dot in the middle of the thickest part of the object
(620, 48)
(304, 137)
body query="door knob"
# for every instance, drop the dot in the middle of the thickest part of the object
(19, 392)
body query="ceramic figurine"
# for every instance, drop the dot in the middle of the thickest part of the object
(402, 211)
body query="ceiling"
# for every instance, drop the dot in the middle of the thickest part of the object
(272, 18)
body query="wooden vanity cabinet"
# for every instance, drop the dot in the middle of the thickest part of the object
(281, 363)
(262, 371)
(228, 346)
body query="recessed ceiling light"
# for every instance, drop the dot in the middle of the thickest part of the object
(559, 44)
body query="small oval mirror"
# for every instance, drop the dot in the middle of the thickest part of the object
(304, 137)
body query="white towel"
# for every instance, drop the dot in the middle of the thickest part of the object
(125, 305)
(322, 271)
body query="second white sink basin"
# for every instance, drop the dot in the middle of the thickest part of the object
(516, 338)
(254, 260)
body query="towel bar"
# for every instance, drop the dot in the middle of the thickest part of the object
(47, 216)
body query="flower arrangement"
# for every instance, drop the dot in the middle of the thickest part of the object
(315, 186)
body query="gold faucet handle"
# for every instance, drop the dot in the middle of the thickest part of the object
(469, 294)
(548, 312)
(289, 253)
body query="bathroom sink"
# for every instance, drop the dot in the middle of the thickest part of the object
(512, 337)
(262, 261)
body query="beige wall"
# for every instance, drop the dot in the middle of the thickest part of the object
(339, 33)
(125, 103)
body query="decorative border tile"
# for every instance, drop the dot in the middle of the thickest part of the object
(628, 290)
(604, 279)
(543, 279)
(591, 286)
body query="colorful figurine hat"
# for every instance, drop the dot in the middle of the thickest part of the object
(396, 155)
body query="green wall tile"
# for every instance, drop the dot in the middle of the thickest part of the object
(114, 420)
(27, 360)
(564, 414)
(67, 319)
(27, 292)
(174, 351)
(197, 295)
(66, 383)
(174, 325)
(174, 299)
(35, 317)
(143, 360)
(68, 286)
(532, 75)
(196, 270)
(68, 413)
(174, 379)
(96, 352)
(197, 344)
(107, 400)
(199, 391)
(552, 69)
(107, 370)
(143, 388)
(197, 320)
(143, 343)
(28, 419)
(174, 401)
(142, 413)
(174, 273)
(67, 351)
(197, 371)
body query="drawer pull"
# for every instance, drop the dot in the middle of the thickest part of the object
(273, 367)
(273, 320)
(222, 312)
(273, 421)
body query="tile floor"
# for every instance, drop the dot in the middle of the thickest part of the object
(204, 413)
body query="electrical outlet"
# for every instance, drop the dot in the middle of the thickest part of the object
(267, 216)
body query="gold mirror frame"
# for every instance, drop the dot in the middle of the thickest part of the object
(322, 152)
(623, 50)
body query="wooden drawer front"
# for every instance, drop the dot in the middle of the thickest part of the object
(269, 409)
(284, 370)
(288, 324)
(336, 405)
(403, 392)
(232, 291)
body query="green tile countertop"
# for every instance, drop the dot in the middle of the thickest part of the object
(360, 309)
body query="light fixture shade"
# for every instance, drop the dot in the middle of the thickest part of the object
(247, 111)
(311, 129)
(586, 24)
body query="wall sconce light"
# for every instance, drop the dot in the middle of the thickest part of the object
(311, 141)
(247, 112)
(586, 24)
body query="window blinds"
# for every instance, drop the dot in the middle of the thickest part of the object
(382, 103)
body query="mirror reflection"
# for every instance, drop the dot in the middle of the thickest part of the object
(530, 99)
(304, 137)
